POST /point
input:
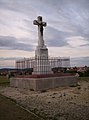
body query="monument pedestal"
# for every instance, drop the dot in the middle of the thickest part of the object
(39, 84)
(41, 63)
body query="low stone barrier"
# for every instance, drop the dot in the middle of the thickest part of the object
(43, 83)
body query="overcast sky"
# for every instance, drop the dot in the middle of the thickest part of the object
(66, 34)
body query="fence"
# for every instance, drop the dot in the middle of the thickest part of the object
(43, 65)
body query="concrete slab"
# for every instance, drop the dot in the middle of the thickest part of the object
(37, 84)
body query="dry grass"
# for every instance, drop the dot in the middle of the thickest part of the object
(4, 80)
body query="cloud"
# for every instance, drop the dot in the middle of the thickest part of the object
(80, 61)
(56, 38)
(13, 58)
(67, 28)
(67, 16)
(12, 43)
(10, 58)
(80, 41)
(7, 64)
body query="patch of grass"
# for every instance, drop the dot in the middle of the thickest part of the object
(83, 79)
(4, 80)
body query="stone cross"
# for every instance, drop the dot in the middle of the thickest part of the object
(40, 24)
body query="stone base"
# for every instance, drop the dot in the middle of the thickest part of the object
(43, 83)
(41, 63)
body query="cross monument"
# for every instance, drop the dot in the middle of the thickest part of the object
(41, 64)
(40, 24)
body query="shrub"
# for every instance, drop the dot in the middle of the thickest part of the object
(84, 74)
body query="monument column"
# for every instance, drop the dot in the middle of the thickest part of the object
(41, 64)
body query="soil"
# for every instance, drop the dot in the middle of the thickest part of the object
(10, 111)
(70, 103)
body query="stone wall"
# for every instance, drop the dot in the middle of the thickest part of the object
(43, 83)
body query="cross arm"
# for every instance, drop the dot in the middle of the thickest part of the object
(35, 22)
(44, 24)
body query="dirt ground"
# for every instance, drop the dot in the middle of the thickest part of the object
(10, 111)
(70, 103)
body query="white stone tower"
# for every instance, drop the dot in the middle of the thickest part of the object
(41, 64)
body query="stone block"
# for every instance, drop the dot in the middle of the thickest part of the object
(44, 83)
